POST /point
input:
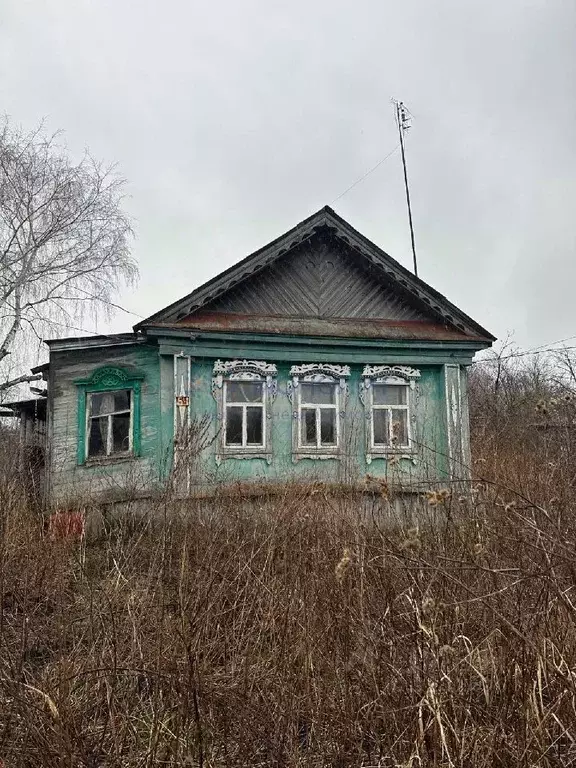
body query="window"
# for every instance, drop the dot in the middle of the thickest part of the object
(388, 395)
(109, 426)
(390, 414)
(318, 414)
(244, 405)
(244, 391)
(108, 415)
(318, 394)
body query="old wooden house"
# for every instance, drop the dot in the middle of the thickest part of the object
(316, 357)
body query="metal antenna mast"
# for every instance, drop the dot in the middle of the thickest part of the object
(404, 119)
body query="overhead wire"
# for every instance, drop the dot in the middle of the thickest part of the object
(111, 304)
(549, 344)
(378, 164)
(542, 349)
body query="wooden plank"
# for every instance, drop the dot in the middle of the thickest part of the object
(322, 280)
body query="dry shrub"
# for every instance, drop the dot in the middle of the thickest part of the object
(296, 630)
(292, 635)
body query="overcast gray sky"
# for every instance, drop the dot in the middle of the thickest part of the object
(233, 121)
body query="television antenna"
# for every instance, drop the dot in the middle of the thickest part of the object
(404, 122)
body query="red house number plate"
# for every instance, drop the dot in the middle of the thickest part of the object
(182, 401)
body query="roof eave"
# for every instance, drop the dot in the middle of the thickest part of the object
(199, 334)
(83, 342)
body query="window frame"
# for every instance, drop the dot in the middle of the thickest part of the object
(318, 408)
(397, 375)
(243, 406)
(244, 371)
(318, 373)
(109, 379)
(391, 381)
(110, 453)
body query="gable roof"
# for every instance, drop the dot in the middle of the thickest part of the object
(423, 296)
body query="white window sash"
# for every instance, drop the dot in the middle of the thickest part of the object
(319, 407)
(390, 444)
(243, 406)
(390, 375)
(254, 371)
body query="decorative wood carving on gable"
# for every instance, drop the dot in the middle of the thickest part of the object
(325, 226)
(322, 280)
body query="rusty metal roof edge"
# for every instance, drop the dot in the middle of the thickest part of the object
(197, 334)
(345, 327)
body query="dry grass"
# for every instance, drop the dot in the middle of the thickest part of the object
(299, 632)
(299, 636)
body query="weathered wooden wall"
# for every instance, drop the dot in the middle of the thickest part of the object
(68, 480)
(441, 427)
(430, 463)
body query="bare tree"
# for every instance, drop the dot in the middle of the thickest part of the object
(64, 239)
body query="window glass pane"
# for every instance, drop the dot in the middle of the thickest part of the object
(233, 426)
(390, 394)
(400, 427)
(254, 425)
(122, 400)
(121, 433)
(328, 426)
(102, 402)
(380, 421)
(308, 426)
(322, 394)
(98, 436)
(244, 391)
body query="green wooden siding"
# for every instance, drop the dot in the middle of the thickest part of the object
(431, 460)
(441, 427)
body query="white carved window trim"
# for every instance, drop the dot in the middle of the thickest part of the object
(323, 373)
(395, 375)
(244, 370)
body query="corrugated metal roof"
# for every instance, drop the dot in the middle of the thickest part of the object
(312, 326)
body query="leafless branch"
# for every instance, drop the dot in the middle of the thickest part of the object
(4, 385)
(64, 237)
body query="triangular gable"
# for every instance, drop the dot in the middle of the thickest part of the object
(321, 268)
(321, 278)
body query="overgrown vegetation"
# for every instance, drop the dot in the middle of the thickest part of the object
(308, 629)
